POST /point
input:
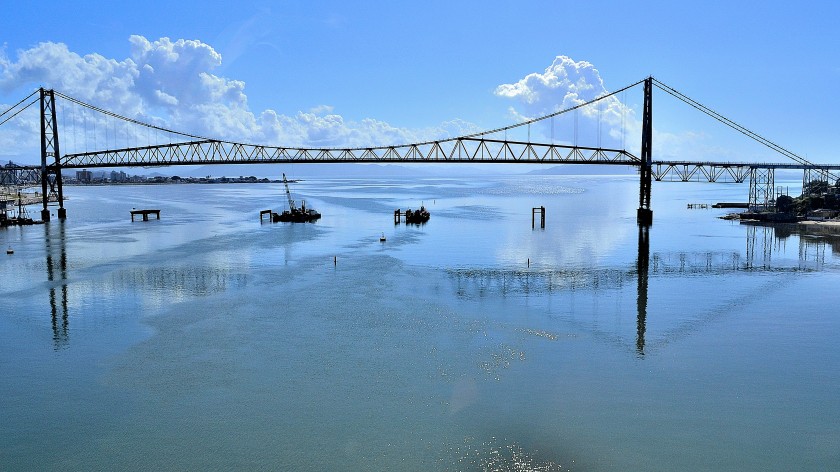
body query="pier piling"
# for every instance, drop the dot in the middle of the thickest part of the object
(534, 211)
(145, 214)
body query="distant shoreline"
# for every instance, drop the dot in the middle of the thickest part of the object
(180, 182)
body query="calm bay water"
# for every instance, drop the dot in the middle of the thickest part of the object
(209, 340)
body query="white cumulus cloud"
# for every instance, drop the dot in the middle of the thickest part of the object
(175, 84)
(564, 84)
(609, 123)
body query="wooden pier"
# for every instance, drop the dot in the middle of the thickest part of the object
(269, 213)
(145, 214)
(731, 205)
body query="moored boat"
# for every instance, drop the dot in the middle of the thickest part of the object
(296, 215)
(417, 216)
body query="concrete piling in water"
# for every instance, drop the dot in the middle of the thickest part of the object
(534, 211)
(145, 214)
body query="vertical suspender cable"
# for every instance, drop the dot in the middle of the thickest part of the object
(84, 116)
(73, 122)
(623, 118)
(599, 123)
(63, 117)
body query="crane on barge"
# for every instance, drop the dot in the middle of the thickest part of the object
(288, 193)
(295, 214)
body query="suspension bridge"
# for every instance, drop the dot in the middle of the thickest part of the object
(117, 147)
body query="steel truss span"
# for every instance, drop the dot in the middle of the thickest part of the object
(11, 175)
(467, 149)
(709, 172)
(736, 172)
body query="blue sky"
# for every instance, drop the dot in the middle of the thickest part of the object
(342, 73)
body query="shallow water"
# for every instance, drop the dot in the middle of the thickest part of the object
(209, 340)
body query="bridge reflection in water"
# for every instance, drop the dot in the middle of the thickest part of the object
(165, 284)
(642, 274)
(761, 241)
(160, 285)
(57, 279)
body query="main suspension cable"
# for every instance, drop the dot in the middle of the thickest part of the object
(18, 103)
(754, 136)
(544, 117)
(19, 111)
(131, 120)
(422, 143)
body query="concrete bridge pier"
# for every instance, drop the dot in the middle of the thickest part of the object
(644, 215)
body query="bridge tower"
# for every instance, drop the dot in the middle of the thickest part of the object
(812, 175)
(644, 215)
(50, 172)
(762, 188)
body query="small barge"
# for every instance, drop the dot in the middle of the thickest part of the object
(9, 218)
(294, 214)
(412, 217)
(19, 222)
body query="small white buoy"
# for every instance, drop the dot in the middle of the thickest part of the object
(382, 238)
